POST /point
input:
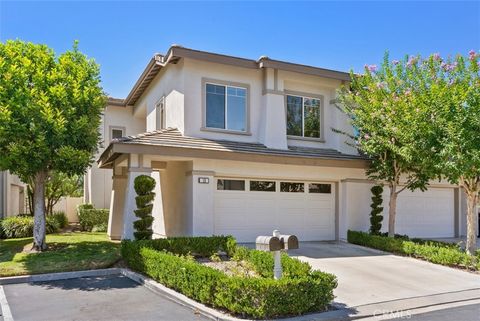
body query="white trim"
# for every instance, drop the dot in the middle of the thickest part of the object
(6, 313)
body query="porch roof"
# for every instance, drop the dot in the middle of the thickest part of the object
(171, 142)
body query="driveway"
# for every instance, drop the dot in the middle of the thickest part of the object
(370, 280)
(113, 297)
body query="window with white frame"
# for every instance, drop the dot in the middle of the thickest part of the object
(117, 132)
(160, 113)
(226, 107)
(303, 116)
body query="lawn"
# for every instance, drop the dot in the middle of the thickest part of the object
(67, 252)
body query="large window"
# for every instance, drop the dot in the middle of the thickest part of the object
(226, 107)
(303, 116)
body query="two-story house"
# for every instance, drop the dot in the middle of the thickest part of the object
(240, 146)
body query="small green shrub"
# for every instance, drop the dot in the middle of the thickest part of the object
(22, 226)
(2, 232)
(169, 262)
(375, 214)
(60, 218)
(92, 219)
(144, 186)
(432, 251)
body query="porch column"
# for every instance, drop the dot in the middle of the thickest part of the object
(203, 188)
(115, 219)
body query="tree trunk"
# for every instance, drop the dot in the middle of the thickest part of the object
(39, 242)
(472, 198)
(392, 210)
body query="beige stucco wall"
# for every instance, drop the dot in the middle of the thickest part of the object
(13, 195)
(99, 181)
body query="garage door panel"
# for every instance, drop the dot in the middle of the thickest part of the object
(247, 214)
(425, 214)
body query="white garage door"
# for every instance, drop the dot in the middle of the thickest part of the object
(247, 208)
(425, 214)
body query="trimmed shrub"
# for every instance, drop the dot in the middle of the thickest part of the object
(169, 261)
(92, 219)
(144, 186)
(432, 251)
(22, 226)
(375, 214)
(2, 232)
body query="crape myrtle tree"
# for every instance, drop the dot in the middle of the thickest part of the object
(453, 103)
(50, 111)
(382, 107)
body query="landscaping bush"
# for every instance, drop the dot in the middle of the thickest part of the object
(22, 226)
(92, 219)
(170, 262)
(432, 251)
(2, 232)
(376, 217)
(144, 186)
(60, 218)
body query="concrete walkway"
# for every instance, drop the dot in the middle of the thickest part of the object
(370, 281)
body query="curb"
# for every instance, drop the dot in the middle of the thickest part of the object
(58, 276)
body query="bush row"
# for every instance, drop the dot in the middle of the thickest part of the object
(22, 226)
(92, 219)
(432, 251)
(301, 290)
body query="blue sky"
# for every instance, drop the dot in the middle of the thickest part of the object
(122, 36)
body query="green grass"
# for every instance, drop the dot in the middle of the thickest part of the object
(66, 252)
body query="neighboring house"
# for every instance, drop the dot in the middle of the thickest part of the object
(12, 195)
(242, 147)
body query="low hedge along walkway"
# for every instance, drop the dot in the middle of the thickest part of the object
(171, 262)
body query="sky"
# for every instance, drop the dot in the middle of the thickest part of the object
(122, 36)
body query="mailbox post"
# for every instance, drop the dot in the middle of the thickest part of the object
(275, 244)
(277, 259)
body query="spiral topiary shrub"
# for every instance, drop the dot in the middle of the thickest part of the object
(375, 215)
(144, 186)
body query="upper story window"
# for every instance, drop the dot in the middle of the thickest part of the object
(303, 116)
(226, 107)
(116, 132)
(160, 113)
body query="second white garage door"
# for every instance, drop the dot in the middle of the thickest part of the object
(247, 208)
(425, 214)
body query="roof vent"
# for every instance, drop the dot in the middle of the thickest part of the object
(176, 45)
(263, 58)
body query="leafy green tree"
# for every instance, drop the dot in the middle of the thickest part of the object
(57, 186)
(50, 111)
(375, 214)
(389, 127)
(453, 105)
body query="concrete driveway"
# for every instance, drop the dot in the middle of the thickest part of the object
(370, 280)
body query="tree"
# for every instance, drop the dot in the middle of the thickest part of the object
(144, 186)
(57, 186)
(381, 106)
(50, 111)
(453, 103)
(375, 214)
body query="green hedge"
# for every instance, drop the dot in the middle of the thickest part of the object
(92, 219)
(433, 251)
(170, 262)
(22, 226)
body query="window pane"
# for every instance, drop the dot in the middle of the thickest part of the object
(312, 117)
(215, 113)
(117, 133)
(230, 185)
(320, 188)
(236, 108)
(294, 116)
(262, 186)
(292, 187)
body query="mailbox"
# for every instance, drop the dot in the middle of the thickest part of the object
(268, 243)
(289, 242)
